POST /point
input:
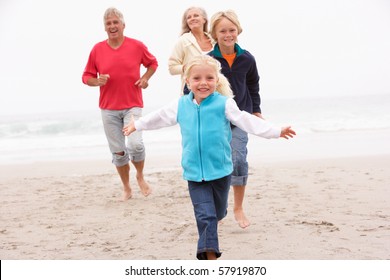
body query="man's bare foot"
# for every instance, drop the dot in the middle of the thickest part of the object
(241, 219)
(144, 186)
(127, 194)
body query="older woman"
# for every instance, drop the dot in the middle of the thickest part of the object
(193, 41)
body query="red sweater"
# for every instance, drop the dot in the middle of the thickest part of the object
(123, 66)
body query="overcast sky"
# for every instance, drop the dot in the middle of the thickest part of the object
(302, 47)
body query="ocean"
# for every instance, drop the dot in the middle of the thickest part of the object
(80, 135)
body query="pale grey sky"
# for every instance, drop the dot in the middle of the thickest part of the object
(302, 47)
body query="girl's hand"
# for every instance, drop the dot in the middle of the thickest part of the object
(287, 132)
(130, 128)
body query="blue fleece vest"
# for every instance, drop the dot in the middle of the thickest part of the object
(206, 136)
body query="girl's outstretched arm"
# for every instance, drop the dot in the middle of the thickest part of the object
(163, 117)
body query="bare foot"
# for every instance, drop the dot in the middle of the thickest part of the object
(144, 186)
(127, 194)
(241, 219)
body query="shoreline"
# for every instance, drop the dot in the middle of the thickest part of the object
(166, 154)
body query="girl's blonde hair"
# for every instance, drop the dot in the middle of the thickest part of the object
(184, 26)
(217, 17)
(223, 85)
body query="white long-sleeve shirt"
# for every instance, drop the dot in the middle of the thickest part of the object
(167, 116)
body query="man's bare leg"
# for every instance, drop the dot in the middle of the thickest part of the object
(124, 173)
(239, 193)
(143, 185)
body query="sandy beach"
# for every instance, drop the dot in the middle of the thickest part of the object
(324, 208)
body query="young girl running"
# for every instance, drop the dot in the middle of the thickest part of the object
(204, 116)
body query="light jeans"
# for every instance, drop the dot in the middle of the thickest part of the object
(113, 122)
(239, 156)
